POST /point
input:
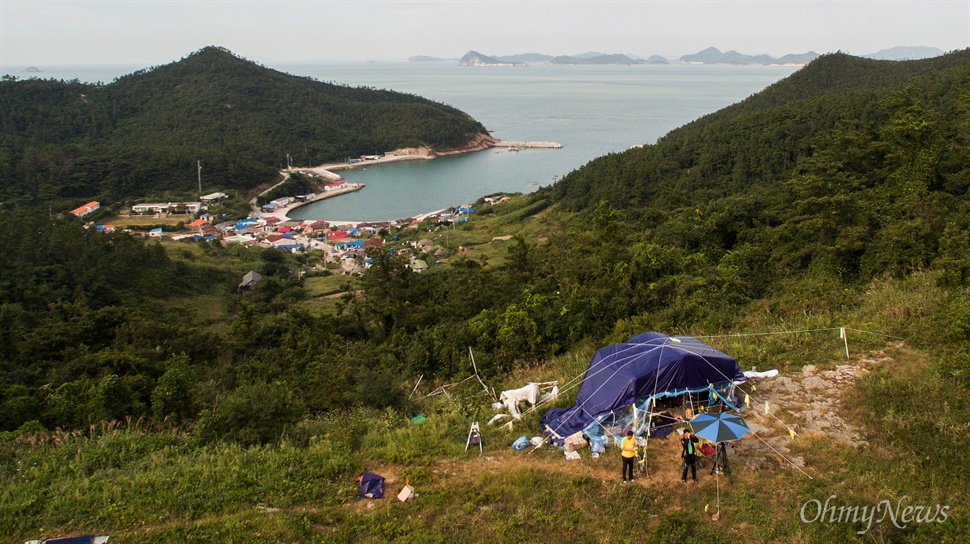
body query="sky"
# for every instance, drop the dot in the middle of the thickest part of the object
(150, 33)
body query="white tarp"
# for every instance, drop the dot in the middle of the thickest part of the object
(511, 398)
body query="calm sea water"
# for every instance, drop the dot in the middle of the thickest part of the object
(590, 110)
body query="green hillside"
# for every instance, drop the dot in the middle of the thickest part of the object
(851, 165)
(155, 403)
(143, 133)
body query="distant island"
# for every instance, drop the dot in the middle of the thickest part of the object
(32, 69)
(599, 59)
(711, 55)
(906, 53)
(474, 58)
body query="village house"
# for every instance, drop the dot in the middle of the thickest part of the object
(86, 209)
(168, 207)
(249, 281)
(316, 228)
(418, 265)
(198, 224)
(243, 239)
(213, 197)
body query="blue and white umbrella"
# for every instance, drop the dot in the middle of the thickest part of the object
(719, 427)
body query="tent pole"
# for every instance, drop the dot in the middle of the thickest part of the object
(416, 387)
(845, 339)
(717, 480)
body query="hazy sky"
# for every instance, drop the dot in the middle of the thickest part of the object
(146, 33)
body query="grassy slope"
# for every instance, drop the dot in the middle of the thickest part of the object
(146, 486)
(909, 412)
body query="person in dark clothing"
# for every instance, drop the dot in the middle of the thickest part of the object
(689, 443)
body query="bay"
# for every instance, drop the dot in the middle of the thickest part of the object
(590, 110)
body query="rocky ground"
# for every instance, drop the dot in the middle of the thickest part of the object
(806, 404)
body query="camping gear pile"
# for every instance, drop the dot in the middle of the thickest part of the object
(372, 487)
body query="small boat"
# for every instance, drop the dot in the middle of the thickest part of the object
(513, 149)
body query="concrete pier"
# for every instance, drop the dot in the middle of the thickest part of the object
(529, 145)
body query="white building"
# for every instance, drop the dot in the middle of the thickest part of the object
(169, 207)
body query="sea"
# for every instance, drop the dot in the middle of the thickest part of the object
(590, 110)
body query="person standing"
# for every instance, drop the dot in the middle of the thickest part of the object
(628, 451)
(689, 444)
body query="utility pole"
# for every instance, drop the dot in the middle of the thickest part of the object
(199, 166)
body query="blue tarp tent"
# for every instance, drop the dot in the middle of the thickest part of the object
(645, 367)
(84, 539)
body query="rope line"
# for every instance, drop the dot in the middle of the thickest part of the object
(578, 379)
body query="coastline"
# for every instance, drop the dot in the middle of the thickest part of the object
(329, 171)
(282, 213)
(480, 143)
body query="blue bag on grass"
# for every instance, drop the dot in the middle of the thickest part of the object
(520, 443)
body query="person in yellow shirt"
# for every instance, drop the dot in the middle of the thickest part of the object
(628, 451)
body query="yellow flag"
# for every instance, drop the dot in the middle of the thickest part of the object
(747, 400)
(791, 433)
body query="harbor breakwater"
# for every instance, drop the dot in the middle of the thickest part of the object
(528, 145)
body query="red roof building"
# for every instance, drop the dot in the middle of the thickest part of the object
(86, 209)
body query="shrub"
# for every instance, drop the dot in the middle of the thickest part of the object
(252, 414)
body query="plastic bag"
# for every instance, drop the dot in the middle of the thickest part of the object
(520, 443)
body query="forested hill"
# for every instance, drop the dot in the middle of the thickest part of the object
(857, 166)
(143, 133)
(760, 139)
